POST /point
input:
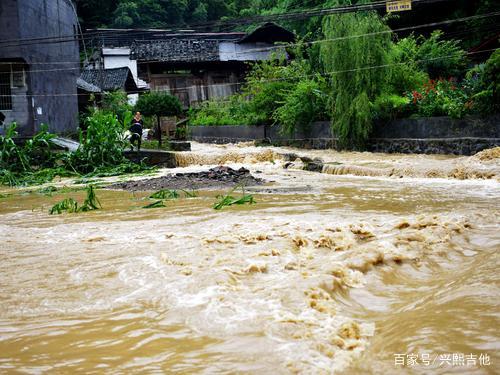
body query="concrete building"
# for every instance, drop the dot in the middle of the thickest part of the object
(39, 65)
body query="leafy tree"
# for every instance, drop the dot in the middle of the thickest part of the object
(439, 57)
(158, 104)
(405, 74)
(140, 13)
(352, 65)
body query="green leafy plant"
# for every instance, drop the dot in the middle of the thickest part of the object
(303, 104)
(69, 205)
(440, 98)
(440, 57)
(165, 194)
(156, 204)
(390, 107)
(485, 86)
(101, 145)
(91, 201)
(116, 102)
(228, 200)
(190, 194)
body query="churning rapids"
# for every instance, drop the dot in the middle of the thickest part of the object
(333, 272)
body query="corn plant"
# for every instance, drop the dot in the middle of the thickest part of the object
(156, 204)
(69, 205)
(229, 200)
(165, 194)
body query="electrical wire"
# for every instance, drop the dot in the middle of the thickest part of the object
(240, 83)
(236, 22)
(281, 47)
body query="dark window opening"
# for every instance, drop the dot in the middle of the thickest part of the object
(5, 89)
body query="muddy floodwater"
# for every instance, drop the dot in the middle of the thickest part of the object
(378, 261)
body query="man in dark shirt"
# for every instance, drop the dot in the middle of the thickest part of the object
(136, 130)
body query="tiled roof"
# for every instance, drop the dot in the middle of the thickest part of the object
(108, 79)
(84, 85)
(201, 47)
(185, 50)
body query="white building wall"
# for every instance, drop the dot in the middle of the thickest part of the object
(119, 58)
(230, 51)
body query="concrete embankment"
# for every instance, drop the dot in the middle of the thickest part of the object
(434, 135)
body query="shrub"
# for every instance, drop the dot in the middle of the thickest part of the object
(406, 75)
(304, 103)
(485, 85)
(390, 107)
(441, 58)
(440, 98)
(34, 154)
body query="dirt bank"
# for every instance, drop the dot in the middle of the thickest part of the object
(214, 178)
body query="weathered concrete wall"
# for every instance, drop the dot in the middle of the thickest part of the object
(152, 157)
(9, 29)
(438, 135)
(52, 67)
(227, 133)
(440, 127)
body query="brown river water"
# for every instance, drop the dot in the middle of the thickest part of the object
(377, 260)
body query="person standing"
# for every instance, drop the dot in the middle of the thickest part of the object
(136, 130)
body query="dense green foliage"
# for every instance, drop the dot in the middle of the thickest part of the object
(287, 94)
(30, 163)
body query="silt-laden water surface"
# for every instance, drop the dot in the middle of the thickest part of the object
(334, 272)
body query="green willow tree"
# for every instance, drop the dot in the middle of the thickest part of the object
(357, 70)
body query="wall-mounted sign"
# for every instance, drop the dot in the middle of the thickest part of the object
(398, 6)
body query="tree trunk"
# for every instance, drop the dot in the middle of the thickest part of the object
(158, 129)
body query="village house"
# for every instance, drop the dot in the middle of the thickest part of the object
(191, 65)
(39, 65)
(93, 83)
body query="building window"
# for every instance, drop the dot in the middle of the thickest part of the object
(5, 88)
(18, 79)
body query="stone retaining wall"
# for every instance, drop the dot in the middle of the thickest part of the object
(434, 135)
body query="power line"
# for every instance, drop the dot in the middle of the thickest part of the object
(281, 47)
(240, 83)
(234, 22)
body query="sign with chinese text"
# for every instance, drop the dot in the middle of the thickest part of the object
(398, 6)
